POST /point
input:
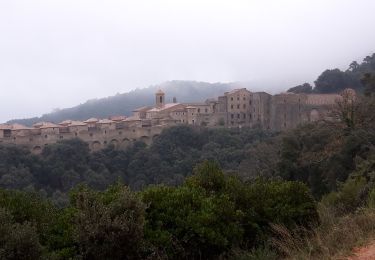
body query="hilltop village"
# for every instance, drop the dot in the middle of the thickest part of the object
(238, 108)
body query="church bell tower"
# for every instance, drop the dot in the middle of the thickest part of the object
(160, 98)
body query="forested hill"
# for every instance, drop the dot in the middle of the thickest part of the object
(336, 80)
(123, 104)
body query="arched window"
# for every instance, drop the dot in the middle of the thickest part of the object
(161, 99)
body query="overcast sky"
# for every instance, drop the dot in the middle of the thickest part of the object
(59, 53)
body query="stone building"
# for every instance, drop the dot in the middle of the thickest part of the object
(236, 108)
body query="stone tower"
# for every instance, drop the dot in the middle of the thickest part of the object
(160, 99)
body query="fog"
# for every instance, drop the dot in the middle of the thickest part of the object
(56, 54)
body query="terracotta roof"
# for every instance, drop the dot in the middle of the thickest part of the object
(65, 122)
(105, 121)
(20, 127)
(14, 127)
(91, 120)
(117, 118)
(43, 125)
(5, 127)
(142, 109)
(132, 118)
(235, 90)
(165, 107)
(77, 123)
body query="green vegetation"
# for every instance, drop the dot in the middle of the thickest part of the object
(335, 80)
(198, 193)
(210, 215)
(168, 160)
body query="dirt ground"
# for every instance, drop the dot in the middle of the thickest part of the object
(364, 253)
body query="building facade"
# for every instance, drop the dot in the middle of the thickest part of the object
(236, 108)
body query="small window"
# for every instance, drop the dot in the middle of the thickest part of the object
(238, 116)
(231, 98)
(199, 110)
(45, 136)
(231, 106)
(232, 116)
(238, 106)
(91, 134)
(61, 137)
(238, 98)
(105, 131)
(244, 98)
(120, 133)
(244, 106)
(75, 134)
(206, 110)
(244, 116)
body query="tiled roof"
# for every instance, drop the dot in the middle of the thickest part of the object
(117, 118)
(105, 121)
(14, 127)
(43, 125)
(77, 123)
(91, 120)
(132, 118)
(142, 109)
(165, 107)
(5, 126)
(20, 127)
(65, 122)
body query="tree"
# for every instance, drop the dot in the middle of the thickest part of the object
(18, 240)
(334, 81)
(185, 223)
(368, 81)
(108, 225)
(304, 88)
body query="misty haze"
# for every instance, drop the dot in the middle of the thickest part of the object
(174, 129)
(58, 54)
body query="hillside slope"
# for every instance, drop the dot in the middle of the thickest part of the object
(123, 104)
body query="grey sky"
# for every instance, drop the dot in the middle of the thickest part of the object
(59, 53)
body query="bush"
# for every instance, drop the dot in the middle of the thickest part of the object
(108, 225)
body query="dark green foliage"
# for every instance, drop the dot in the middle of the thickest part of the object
(304, 88)
(334, 81)
(108, 225)
(168, 160)
(323, 154)
(355, 77)
(213, 212)
(18, 240)
(368, 81)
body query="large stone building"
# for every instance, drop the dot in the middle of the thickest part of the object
(236, 108)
